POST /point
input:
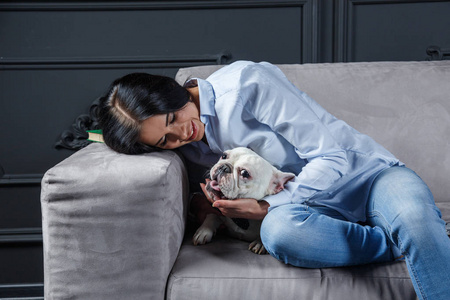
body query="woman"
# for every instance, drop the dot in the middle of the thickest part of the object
(344, 178)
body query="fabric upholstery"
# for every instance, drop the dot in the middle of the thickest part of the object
(226, 269)
(112, 224)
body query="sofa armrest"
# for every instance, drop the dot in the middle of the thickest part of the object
(112, 224)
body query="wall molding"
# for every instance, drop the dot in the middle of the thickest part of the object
(310, 38)
(124, 62)
(153, 5)
(392, 1)
(31, 291)
(20, 235)
(341, 30)
(20, 179)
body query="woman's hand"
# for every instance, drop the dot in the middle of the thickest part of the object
(243, 208)
(239, 208)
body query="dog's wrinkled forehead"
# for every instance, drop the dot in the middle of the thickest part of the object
(244, 157)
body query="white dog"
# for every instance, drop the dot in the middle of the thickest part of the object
(240, 173)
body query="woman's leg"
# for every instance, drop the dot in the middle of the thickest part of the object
(401, 203)
(315, 237)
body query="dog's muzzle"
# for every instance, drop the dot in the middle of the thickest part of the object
(224, 168)
(214, 185)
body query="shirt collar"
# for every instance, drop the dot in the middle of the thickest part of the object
(207, 97)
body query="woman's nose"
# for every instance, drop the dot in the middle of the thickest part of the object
(181, 131)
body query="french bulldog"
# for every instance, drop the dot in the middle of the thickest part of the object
(240, 173)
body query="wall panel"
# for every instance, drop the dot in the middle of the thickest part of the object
(380, 30)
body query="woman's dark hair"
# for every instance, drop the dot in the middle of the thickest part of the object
(131, 100)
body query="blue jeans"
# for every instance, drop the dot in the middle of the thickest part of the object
(402, 220)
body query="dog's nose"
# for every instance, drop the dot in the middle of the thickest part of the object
(225, 168)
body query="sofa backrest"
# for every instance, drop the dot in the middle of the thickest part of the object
(404, 106)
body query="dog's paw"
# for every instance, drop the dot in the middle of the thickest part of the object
(203, 235)
(257, 247)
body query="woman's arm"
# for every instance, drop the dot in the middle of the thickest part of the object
(273, 100)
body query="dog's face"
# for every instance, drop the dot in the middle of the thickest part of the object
(241, 173)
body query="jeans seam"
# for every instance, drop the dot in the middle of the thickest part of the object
(386, 227)
(376, 214)
(394, 236)
(414, 272)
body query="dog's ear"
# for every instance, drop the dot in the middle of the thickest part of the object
(279, 179)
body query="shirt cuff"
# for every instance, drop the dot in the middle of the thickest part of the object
(282, 198)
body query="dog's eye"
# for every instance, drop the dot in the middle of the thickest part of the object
(245, 174)
(224, 156)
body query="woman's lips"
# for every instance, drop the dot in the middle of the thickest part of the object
(194, 132)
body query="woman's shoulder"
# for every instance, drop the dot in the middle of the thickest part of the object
(241, 74)
(232, 70)
(236, 69)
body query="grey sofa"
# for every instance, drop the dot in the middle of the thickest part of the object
(114, 225)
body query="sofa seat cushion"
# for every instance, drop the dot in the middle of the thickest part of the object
(225, 269)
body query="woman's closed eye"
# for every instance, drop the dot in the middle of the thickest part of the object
(172, 120)
(164, 141)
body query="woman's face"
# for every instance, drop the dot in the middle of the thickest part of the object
(173, 130)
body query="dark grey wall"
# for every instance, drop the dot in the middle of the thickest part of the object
(56, 58)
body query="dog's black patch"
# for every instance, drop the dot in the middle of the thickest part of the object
(242, 223)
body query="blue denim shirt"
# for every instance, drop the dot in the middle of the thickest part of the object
(254, 105)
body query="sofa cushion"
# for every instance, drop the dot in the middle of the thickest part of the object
(226, 269)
